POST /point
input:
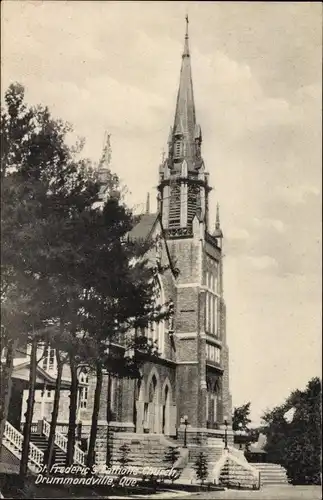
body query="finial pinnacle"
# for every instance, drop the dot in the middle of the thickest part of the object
(187, 21)
(148, 203)
(217, 220)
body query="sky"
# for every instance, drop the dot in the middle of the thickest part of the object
(257, 84)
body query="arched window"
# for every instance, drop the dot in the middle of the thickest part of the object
(152, 390)
(156, 330)
(175, 206)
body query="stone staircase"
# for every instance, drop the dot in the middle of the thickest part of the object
(145, 450)
(237, 475)
(271, 473)
(213, 451)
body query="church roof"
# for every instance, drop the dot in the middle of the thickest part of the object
(144, 228)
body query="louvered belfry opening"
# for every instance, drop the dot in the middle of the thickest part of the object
(193, 192)
(175, 205)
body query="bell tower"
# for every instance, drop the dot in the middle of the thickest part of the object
(183, 181)
(202, 355)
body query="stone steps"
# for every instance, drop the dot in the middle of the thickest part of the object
(234, 474)
(144, 449)
(271, 473)
(213, 453)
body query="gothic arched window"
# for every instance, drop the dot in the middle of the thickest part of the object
(175, 206)
(156, 330)
(193, 201)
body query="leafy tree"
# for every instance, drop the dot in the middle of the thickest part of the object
(240, 418)
(45, 193)
(201, 467)
(296, 444)
(67, 263)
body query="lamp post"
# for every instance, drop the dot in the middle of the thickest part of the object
(184, 421)
(225, 433)
(240, 432)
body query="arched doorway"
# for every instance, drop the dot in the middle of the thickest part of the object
(140, 407)
(165, 411)
(152, 409)
(212, 403)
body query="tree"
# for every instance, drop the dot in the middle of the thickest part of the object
(172, 454)
(66, 262)
(201, 467)
(295, 443)
(45, 193)
(240, 418)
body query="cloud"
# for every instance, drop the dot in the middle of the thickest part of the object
(296, 194)
(237, 233)
(278, 225)
(262, 263)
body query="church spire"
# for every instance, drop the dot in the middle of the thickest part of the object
(183, 181)
(184, 131)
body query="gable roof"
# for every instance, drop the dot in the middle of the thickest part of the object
(143, 229)
(21, 371)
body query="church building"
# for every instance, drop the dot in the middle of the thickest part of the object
(190, 380)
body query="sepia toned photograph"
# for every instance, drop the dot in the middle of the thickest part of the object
(161, 196)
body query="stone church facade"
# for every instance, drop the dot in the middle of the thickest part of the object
(191, 376)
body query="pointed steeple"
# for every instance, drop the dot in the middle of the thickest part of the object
(217, 219)
(217, 231)
(185, 121)
(148, 203)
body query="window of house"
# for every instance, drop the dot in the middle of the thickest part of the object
(47, 394)
(83, 393)
(49, 359)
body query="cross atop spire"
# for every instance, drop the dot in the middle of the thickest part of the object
(186, 52)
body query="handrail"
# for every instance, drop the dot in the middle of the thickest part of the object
(15, 438)
(61, 441)
(246, 465)
(237, 453)
(219, 466)
(232, 453)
